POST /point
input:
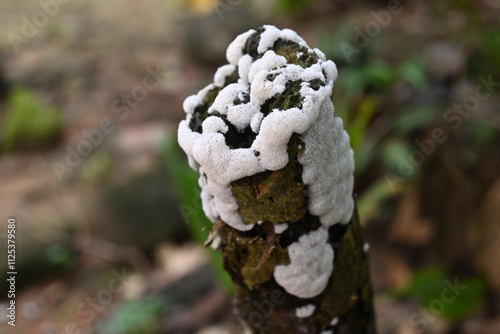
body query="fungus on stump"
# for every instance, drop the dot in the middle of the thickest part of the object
(276, 172)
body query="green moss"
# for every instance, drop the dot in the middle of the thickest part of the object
(252, 257)
(290, 98)
(349, 286)
(289, 50)
(234, 138)
(274, 196)
(257, 252)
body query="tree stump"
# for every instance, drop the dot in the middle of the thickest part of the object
(276, 172)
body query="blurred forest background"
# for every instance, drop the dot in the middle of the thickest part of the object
(109, 223)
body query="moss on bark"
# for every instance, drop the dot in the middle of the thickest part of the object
(250, 257)
(265, 307)
(274, 196)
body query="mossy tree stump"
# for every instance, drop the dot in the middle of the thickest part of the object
(276, 176)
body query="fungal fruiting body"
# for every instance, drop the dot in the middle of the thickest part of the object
(311, 263)
(241, 125)
(276, 177)
(305, 311)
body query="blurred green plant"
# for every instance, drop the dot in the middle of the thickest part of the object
(415, 118)
(97, 167)
(186, 182)
(392, 151)
(360, 96)
(369, 203)
(456, 298)
(358, 127)
(30, 122)
(138, 316)
(412, 70)
(60, 256)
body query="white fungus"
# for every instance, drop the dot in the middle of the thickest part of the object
(271, 34)
(334, 321)
(311, 264)
(327, 159)
(366, 247)
(305, 311)
(190, 103)
(235, 50)
(280, 228)
(221, 74)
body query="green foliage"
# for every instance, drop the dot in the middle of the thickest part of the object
(444, 295)
(354, 80)
(329, 42)
(186, 182)
(393, 151)
(415, 118)
(369, 202)
(360, 91)
(139, 316)
(358, 128)
(30, 122)
(491, 49)
(483, 133)
(413, 72)
(60, 256)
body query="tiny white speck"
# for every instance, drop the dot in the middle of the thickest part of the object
(366, 247)
(326, 332)
(334, 321)
(216, 242)
(305, 311)
(279, 228)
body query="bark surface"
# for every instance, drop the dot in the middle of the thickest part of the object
(250, 257)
